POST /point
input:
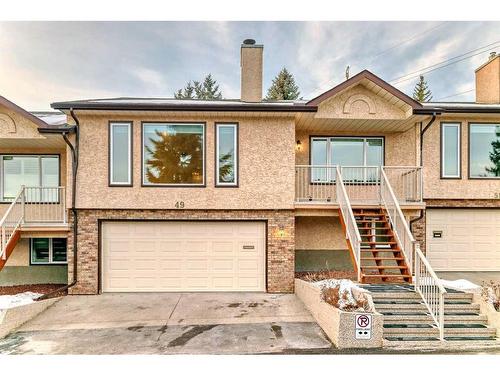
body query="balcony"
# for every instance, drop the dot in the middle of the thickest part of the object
(315, 184)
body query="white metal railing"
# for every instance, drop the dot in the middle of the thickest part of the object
(33, 206)
(45, 205)
(362, 184)
(430, 288)
(406, 183)
(398, 221)
(351, 227)
(10, 222)
(315, 184)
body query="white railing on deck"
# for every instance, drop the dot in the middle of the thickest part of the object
(351, 227)
(33, 206)
(315, 184)
(406, 182)
(362, 184)
(428, 285)
(398, 221)
(10, 222)
(45, 205)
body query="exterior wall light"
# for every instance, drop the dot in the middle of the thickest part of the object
(299, 145)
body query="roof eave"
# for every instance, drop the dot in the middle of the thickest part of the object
(438, 110)
(184, 108)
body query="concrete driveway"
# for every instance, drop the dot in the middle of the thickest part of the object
(170, 323)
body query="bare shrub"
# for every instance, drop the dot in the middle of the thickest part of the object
(490, 291)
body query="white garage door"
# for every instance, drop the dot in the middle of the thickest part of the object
(183, 256)
(470, 239)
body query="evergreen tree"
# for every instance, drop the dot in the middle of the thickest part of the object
(422, 93)
(495, 155)
(283, 87)
(206, 90)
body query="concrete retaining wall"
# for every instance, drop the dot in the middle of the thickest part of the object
(12, 318)
(338, 325)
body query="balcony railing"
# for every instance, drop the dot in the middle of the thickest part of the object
(315, 184)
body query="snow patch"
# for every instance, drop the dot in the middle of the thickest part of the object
(460, 284)
(20, 299)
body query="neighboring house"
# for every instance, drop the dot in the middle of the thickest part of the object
(235, 195)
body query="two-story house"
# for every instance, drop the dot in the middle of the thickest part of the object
(151, 194)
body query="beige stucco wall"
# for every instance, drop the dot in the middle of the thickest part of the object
(319, 233)
(266, 167)
(13, 125)
(400, 148)
(437, 188)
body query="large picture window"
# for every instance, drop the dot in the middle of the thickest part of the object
(484, 150)
(226, 141)
(120, 153)
(450, 150)
(348, 152)
(30, 171)
(173, 154)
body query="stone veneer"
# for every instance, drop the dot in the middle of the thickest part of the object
(280, 241)
(418, 227)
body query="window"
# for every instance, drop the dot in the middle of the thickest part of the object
(226, 141)
(347, 152)
(31, 171)
(120, 151)
(450, 150)
(173, 154)
(49, 251)
(484, 150)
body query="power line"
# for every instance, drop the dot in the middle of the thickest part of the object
(420, 71)
(457, 94)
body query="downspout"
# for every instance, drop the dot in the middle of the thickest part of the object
(422, 132)
(74, 162)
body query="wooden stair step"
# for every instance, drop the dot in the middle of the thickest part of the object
(371, 221)
(384, 267)
(379, 242)
(374, 228)
(382, 258)
(376, 235)
(389, 276)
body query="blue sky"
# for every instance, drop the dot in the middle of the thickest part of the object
(43, 62)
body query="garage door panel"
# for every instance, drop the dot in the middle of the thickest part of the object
(183, 256)
(470, 239)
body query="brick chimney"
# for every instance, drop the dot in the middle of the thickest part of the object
(488, 80)
(251, 71)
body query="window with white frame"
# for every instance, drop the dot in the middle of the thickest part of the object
(226, 140)
(48, 251)
(30, 171)
(120, 150)
(356, 154)
(450, 150)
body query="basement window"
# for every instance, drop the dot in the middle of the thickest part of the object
(48, 251)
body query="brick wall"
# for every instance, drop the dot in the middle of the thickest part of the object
(418, 227)
(280, 242)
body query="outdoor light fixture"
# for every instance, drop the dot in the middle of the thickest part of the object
(299, 145)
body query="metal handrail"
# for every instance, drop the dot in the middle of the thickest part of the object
(430, 288)
(352, 231)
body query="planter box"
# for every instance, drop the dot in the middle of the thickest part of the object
(338, 325)
(14, 317)
(489, 310)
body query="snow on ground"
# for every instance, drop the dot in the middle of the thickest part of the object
(347, 288)
(461, 284)
(9, 301)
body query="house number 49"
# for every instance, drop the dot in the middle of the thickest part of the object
(179, 204)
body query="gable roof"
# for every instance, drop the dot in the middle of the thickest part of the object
(365, 74)
(22, 112)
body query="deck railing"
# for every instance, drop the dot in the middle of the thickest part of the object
(351, 228)
(315, 184)
(10, 222)
(45, 205)
(362, 184)
(429, 286)
(406, 182)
